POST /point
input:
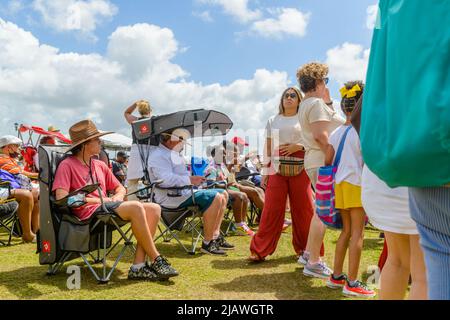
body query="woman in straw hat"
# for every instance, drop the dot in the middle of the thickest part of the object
(81, 169)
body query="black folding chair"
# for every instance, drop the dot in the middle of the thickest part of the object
(175, 221)
(243, 177)
(63, 237)
(9, 221)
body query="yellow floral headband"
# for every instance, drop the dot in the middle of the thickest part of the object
(350, 93)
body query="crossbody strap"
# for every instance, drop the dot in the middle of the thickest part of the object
(337, 159)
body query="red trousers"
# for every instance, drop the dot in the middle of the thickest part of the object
(301, 200)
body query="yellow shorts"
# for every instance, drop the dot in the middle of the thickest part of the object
(347, 196)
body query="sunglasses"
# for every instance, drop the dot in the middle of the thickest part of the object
(290, 95)
(326, 80)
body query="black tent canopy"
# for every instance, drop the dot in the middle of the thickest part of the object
(211, 122)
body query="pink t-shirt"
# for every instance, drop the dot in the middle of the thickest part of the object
(72, 174)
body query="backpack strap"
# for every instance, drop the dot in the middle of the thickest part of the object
(337, 159)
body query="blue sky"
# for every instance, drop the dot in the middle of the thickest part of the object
(213, 46)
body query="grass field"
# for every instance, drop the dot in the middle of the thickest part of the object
(201, 276)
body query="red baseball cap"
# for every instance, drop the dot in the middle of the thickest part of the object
(237, 140)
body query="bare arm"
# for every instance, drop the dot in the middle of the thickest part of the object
(128, 114)
(320, 133)
(119, 193)
(329, 155)
(61, 193)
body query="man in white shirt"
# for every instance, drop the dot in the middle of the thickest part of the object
(166, 163)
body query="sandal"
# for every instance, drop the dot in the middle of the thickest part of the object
(254, 257)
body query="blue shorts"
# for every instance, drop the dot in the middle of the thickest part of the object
(203, 199)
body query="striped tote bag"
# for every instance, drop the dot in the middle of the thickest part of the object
(325, 197)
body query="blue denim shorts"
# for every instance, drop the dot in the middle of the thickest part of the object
(203, 198)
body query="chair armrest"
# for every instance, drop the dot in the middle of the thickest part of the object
(176, 188)
(85, 190)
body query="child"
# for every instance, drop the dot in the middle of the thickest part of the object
(348, 198)
(217, 171)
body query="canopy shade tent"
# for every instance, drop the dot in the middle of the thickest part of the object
(116, 141)
(211, 123)
(40, 132)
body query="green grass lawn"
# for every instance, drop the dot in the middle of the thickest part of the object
(201, 276)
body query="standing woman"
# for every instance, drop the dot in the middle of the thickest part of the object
(318, 119)
(135, 168)
(283, 139)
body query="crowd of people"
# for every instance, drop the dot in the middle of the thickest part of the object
(305, 134)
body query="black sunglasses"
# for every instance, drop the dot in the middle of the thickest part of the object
(290, 95)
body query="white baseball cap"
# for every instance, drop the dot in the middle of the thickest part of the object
(7, 140)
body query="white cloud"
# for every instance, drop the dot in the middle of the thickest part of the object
(348, 62)
(204, 15)
(12, 7)
(289, 21)
(40, 85)
(75, 15)
(237, 8)
(372, 14)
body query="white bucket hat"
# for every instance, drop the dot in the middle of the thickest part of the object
(7, 140)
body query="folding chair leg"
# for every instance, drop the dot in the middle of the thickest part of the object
(54, 268)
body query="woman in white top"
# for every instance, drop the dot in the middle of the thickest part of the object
(283, 139)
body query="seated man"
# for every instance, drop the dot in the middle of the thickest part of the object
(26, 195)
(82, 169)
(167, 163)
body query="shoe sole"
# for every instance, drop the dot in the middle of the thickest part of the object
(212, 254)
(221, 248)
(166, 277)
(312, 274)
(357, 295)
(334, 286)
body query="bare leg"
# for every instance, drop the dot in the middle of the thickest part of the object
(395, 274)
(418, 271)
(239, 205)
(220, 214)
(36, 211)
(210, 217)
(135, 212)
(253, 195)
(25, 200)
(342, 243)
(153, 213)
(357, 217)
(315, 239)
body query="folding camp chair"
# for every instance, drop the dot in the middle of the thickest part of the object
(243, 177)
(9, 220)
(175, 221)
(63, 237)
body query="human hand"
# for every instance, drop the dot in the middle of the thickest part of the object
(197, 180)
(289, 149)
(326, 96)
(117, 198)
